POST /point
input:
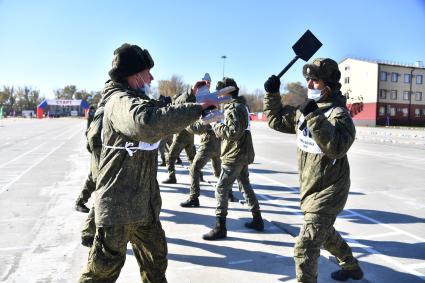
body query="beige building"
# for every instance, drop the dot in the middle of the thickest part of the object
(392, 93)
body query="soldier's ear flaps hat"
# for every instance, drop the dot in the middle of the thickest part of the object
(225, 82)
(324, 69)
(129, 60)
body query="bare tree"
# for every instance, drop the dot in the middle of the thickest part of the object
(294, 94)
(173, 86)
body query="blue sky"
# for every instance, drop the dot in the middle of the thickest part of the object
(48, 44)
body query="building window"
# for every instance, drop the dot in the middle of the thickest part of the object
(392, 111)
(423, 112)
(404, 112)
(383, 93)
(383, 76)
(381, 111)
(419, 79)
(393, 94)
(347, 68)
(347, 80)
(417, 112)
(394, 77)
(407, 78)
(405, 95)
(418, 96)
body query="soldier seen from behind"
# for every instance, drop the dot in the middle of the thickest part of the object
(127, 198)
(182, 140)
(209, 149)
(89, 185)
(325, 133)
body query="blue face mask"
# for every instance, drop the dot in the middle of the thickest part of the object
(314, 94)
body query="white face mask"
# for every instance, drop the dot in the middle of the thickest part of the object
(314, 94)
(145, 87)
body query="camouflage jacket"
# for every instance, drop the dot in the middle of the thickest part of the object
(209, 141)
(236, 145)
(127, 190)
(324, 172)
(184, 137)
(94, 132)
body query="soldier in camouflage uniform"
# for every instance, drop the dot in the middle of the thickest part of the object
(89, 184)
(325, 132)
(183, 140)
(94, 145)
(237, 152)
(127, 197)
(209, 149)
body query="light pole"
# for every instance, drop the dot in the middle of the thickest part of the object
(224, 59)
(410, 97)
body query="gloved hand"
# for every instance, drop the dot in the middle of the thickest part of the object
(308, 106)
(272, 85)
(212, 116)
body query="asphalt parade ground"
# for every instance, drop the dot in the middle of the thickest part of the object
(43, 165)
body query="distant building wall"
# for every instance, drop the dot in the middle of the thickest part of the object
(389, 91)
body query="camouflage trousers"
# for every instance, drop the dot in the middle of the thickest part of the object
(89, 226)
(88, 188)
(174, 152)
(107, 255)
(201, 159)
(225, 182)
(164, 147)
(316, 232)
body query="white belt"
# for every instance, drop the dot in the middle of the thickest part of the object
(132, 149)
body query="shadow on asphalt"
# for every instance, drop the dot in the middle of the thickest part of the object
(385, 217)
(230, 254)
(266, 171)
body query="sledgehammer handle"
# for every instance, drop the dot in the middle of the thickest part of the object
(288, 66)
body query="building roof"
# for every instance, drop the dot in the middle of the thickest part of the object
(387, 62)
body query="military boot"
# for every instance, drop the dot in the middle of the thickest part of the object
(171, 180)
(256, 223)
(87, 241)
(81, 207)
(201, 177)
(191, 202)
(344, 274)
(179, 161)
(219, 231)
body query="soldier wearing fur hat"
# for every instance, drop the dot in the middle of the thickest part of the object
(237, 152)
(127, 196)
(325, 133)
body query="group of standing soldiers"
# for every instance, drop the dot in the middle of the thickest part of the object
(128, 127)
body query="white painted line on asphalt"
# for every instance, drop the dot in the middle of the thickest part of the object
(3, 189)
(360, 245)
(386, 225)
(388, 259)
(67, 133)
(191, 267)
(15, 248)
(14, 219)
(240, 261)
(373, 236)
(21, 155)
(416, 265)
